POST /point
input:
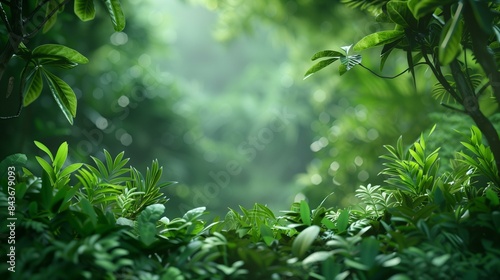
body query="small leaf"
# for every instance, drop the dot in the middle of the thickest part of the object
(84, 9)
(378, 38)
(116, 14)
(60, 158)
(70, 169)
(88, 209)
(33, 88)
(53, 51)
(304, 240)
(439, 261)
(46, 166)
(63, 94)
(45, 149)
(318, 66)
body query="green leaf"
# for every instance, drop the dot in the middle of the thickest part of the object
(15, 160)
(304, 240)
(451, 37)
(378, 38)
(88, 209)
(146, 223)
(305, 212)
(400, 13)
(369, 250)
(45, 149)
(70, 169)
(421, 8)
(343, 220)
(46, 192)
(318, 66)
(317, 257)
(52, 6)
(46, 166)
(492, 197)
(193, 214)
(58, 52)
(63, 94)
(33, 88)
(267, 234)
(115, 12)
(60, 158)
(84, 9)
(326, 53)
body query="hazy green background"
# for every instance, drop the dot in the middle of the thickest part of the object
(214, 90)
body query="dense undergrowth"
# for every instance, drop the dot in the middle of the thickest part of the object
(108, 221)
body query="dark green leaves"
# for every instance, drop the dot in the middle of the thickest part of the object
(421, 8)
(400, 14)
(347, 62)
(33, 88)
(84, 9)
(115, 12)
(56, 56)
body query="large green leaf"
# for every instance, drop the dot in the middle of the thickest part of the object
(33, 87)
(115, 12)
(421, 8)
(146, 223)
(400, 13)
(58, 52)
(11, 162)
(451, 36)
(304, 240)
(378, 39)
(63, 94)
(60, 158)
(85, 9)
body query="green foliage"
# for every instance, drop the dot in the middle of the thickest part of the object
(112, 225)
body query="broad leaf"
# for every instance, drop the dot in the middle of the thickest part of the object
(451, 36)
(377, 39)
(115, 12)
(304, 240)
(33, 88)
(421, 8)
(84, 9)
(146, 223)
(343, 220)
(400, 13)
(15, 160)
(63, 94)
(58, 52)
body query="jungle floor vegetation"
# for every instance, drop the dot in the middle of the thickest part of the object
(107, 220)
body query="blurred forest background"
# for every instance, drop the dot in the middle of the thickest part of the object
(214, 90)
